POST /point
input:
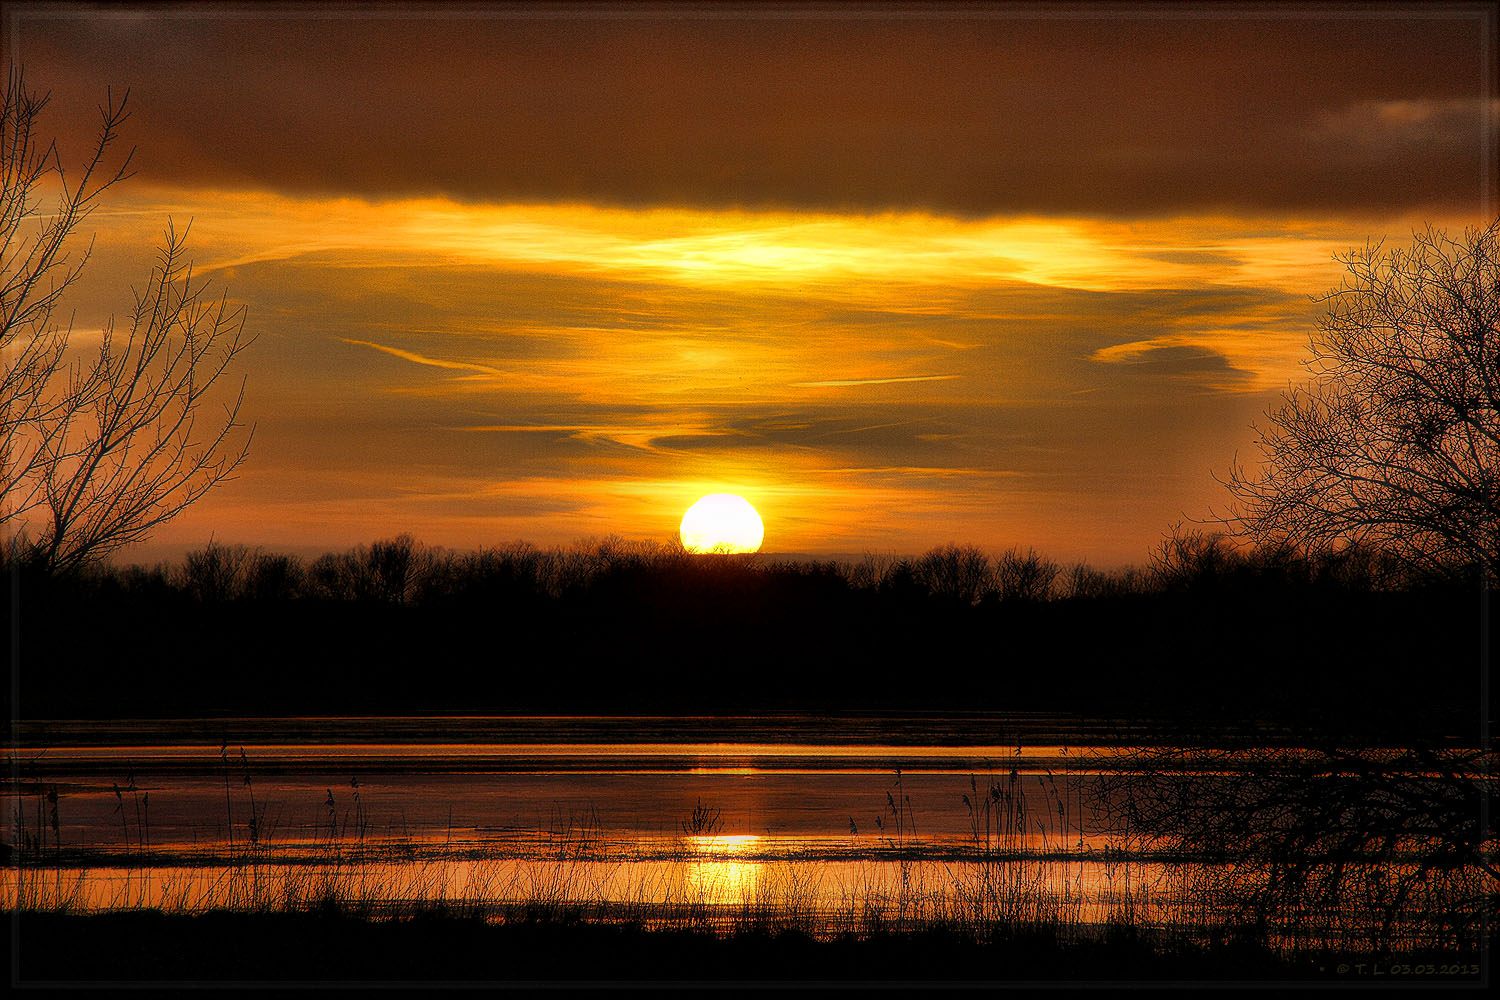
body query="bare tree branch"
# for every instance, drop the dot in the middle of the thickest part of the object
(1324, 840)
(96, 453)
(1394, 442)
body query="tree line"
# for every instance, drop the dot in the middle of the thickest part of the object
(1205, 632)
(402, 570)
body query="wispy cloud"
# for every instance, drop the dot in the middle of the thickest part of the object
(423, 360)
(873, 381)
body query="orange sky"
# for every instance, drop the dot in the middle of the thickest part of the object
(1000, 275)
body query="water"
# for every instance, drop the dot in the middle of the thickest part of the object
(826, 823)
(793, 782)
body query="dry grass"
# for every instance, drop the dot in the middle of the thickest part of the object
(1024, 868)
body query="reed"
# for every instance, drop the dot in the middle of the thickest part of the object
(1021, 872)
(228, 804)
(254, 825)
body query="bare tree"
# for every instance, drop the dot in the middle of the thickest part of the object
(1384, 845)
(98, 448)
(1394, 442)
(1024, 576)
(957, 573)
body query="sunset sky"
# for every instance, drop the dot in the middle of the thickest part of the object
(898, 275)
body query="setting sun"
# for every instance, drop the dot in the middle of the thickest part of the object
(721, 522)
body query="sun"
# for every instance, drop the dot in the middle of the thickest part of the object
(721, 522)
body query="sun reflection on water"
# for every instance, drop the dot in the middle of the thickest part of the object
(739, 843)
(723, 869)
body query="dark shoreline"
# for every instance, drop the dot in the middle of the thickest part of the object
(332, 946)
(1001, 731)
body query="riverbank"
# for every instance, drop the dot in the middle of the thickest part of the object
(434, 945)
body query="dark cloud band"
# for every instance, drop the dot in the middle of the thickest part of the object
(1003, 109)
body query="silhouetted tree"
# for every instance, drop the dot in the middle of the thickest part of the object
(1391, 845)
(1024, 576)
(391, 571)
(1188, 558)
(1394, 443)
(96, 453)
(393, 568)
(216, 572)
(957, 573)
(1083, 582)
(273, 577)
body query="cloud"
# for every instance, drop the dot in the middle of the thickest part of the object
(1175, 359)
(621, 437)
(874, 381)
(421, 360)
(1000, 111)
(1399, 125)
(850, 434)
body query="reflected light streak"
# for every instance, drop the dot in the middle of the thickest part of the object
(738, 843)
(726, 880)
